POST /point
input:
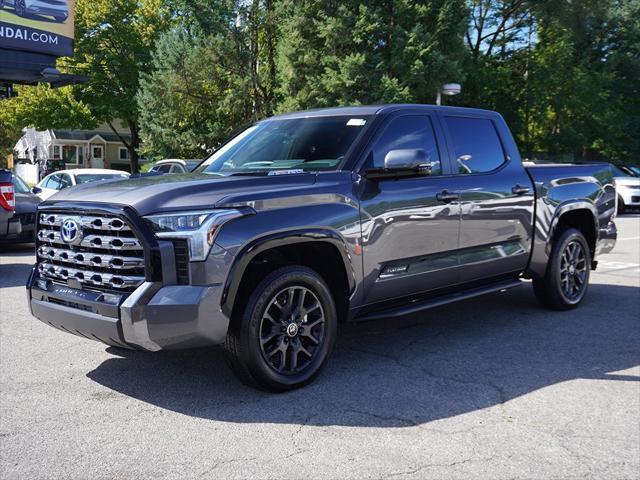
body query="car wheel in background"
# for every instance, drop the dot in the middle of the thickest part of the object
(20, 8)
(621, 205)
(565, 283)
(283, 337)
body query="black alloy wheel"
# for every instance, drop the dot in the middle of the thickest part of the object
(566, 280)
(573, 270)
(292, 329)
(282, 336)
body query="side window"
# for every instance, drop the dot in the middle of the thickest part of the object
(408, 132)
(65, 181)
(175, 168)
(54, 182)
(476, 144)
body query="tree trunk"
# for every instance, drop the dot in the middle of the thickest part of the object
(133, 146)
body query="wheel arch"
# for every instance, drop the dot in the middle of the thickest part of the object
(251, 263)
(579, 215)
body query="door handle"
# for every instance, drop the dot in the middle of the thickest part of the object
(447, 196)
(520, 190)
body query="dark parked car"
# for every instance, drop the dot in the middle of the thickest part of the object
(20, 225)
(306, 220)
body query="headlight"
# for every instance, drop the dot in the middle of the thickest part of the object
(198, 228)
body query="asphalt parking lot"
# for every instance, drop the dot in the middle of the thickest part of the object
(494, 387)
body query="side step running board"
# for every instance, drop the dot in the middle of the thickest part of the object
(419, 305)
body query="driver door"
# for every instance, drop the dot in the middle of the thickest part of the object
(409, 231)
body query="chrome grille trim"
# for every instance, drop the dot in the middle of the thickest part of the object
(90, 259)
(88, 277)
(105, 255)
(113, 224)
(106, 242)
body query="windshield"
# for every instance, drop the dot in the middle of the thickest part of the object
(301, 144)
(86, 178)
(618, 172)
(19, 185)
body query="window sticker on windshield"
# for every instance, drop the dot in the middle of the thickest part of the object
(286, 172)
(356, 122)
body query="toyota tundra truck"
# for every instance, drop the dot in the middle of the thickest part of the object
(307, 220)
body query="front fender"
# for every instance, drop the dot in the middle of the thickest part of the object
(253, 248)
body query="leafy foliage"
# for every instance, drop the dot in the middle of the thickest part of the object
(184, 74)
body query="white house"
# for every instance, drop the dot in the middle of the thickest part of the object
(99, 148)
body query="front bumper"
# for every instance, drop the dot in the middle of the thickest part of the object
(153, 317)
(630, 195)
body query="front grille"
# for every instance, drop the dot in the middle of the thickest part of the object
(181, 251)
(104, 255)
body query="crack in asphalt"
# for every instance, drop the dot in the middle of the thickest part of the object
(501, 395)
(418, 469)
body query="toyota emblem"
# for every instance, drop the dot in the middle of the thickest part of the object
(70, 231)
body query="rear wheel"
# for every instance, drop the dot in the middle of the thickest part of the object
(286, 332)
(565, 283)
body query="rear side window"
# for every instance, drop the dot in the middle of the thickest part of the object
(476, 144)
(408, 132)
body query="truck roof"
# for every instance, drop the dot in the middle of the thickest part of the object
(376, 109)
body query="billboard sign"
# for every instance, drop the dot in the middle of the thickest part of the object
(41, 26)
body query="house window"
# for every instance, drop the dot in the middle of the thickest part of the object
(57, 152)
(70, 153)
(124, 154)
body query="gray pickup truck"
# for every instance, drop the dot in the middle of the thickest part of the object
(307, 220)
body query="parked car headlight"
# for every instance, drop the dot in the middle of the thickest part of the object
(199, 228)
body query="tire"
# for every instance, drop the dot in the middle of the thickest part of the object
(20, 8)
(264, 348)
(567, 277)
(621, 206)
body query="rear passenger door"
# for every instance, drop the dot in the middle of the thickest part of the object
(495, 195)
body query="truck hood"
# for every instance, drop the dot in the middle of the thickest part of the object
(165, 193)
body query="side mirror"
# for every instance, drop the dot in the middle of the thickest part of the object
(36, 190)
(405, 159)
(406, 162)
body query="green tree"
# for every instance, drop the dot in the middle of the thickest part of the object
(337, 53)
(211, 74)
(40, 107)
(114, 42)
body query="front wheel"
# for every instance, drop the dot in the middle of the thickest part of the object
(286, 332)
(20, 8)
(567, 277)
